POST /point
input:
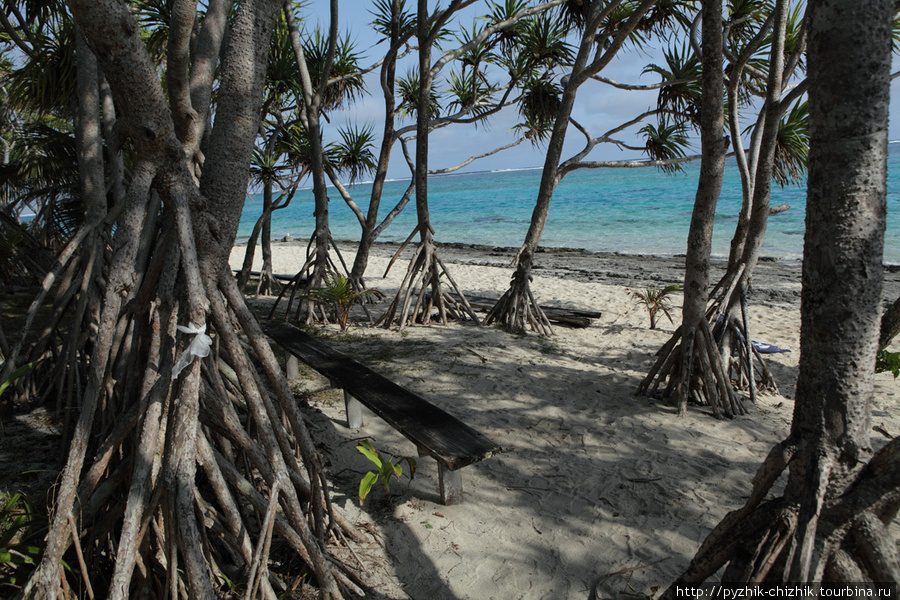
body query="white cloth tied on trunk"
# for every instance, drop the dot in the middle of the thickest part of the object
(198, 348)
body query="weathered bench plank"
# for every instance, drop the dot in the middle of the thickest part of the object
(435, 432)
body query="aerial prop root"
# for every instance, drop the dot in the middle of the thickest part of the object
(518, 309)
(850, 542)
(422, 292)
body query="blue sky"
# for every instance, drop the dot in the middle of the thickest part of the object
(599, 107)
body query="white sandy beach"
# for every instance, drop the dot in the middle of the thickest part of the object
(594, 480)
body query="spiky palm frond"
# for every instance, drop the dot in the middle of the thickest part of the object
(408, 90)
(516, 65)
(540, 104)
(154, 17)
(267, 162)
(43, 162)
(745, 17)
(666, 141)
(282, 72)
(43, 175)
(297, 148)
(573, 14)
(383, 14)
(895, 37)
(59, 219)
(338, 292)
(792, 37)
(543, 42)
(478, 54)
(353, 155)
(615, 21)
(655, 300)
(537, 133)
(792, 147)
(47, 84)
(507, 39)
(469, 92)
(39, 13)
(667, 15)
(344, 87)
(682, 99)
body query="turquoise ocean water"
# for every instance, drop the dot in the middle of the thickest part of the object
(631, 211)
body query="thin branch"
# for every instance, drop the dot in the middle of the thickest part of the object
(14, 36)
(642, 87)
(472, 159)
(627, 164)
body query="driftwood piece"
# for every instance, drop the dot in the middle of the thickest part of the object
(278, 276)
(568, 317)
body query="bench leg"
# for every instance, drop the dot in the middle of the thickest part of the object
(451, 485)
(354, 411)
(292, 368)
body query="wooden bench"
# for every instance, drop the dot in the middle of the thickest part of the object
(435, 432)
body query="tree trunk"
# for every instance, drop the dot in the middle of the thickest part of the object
(747, 243)
(890, 325)
(830, 523)
(266, 280)
(699, 246)
(722, 316)
(517, 307)
(423, 277)
(152, 418)
(319, 263)
(388, 77)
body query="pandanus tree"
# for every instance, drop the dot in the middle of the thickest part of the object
(423, 296)
(471, 96)
(267, 170)
(604, 28)
(763, 51)
(828, 524)
(317, 63)
(187, 452)
(425, 267)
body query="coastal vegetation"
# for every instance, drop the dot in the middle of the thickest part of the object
(133, 132)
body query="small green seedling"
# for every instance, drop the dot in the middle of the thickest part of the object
(338, 293)
(21, 531)
(655, 300)
(386, 468)
(20, 372)
(888, 361)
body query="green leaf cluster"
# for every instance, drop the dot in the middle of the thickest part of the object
(888, 361)
(20, 544)
(338, 292)
(385, 467)
(656, 300)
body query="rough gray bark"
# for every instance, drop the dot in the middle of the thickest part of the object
(168, 267)
(712, 171)
(829, 523)
(387, 84)
(890, 325)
